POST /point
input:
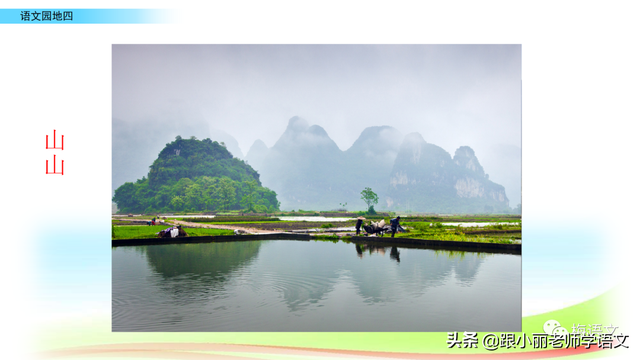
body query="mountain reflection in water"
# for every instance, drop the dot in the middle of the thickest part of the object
(312, 286)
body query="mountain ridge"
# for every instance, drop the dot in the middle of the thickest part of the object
(308, 171)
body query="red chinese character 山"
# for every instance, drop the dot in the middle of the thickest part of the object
(54, 155)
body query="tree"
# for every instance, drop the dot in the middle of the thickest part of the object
(194, 197)
(125, 197)
(227, 192)
(369, 197)
(177, 203)
(248, 199)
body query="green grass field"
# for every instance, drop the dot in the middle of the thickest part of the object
(419, 227)
(144, 231)
(437, 231)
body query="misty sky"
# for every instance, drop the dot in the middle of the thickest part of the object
(453, 95)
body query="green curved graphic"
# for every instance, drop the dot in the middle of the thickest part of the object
(95, 332)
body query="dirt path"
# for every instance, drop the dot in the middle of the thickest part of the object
(225, 227)
(260, 228)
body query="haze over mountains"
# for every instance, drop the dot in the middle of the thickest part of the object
(452, 95)
(308, 170)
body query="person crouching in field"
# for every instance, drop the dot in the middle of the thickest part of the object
(172, 232)
(394, 225)
(358, 225)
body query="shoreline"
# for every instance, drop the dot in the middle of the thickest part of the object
(515, 249)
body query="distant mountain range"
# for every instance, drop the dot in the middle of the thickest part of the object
(308, 171)
(425, 178)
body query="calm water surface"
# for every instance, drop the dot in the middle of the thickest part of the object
(312, 286)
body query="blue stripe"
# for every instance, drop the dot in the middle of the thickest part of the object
(84, 16)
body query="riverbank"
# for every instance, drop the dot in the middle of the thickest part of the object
(482, 230)
(379, 241)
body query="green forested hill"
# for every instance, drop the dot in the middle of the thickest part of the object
(192, 158)
(190, 174)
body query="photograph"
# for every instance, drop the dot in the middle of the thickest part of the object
(316, 188)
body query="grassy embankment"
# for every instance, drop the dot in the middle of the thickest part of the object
(495, 233)
(428, 227)
(145, 231)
